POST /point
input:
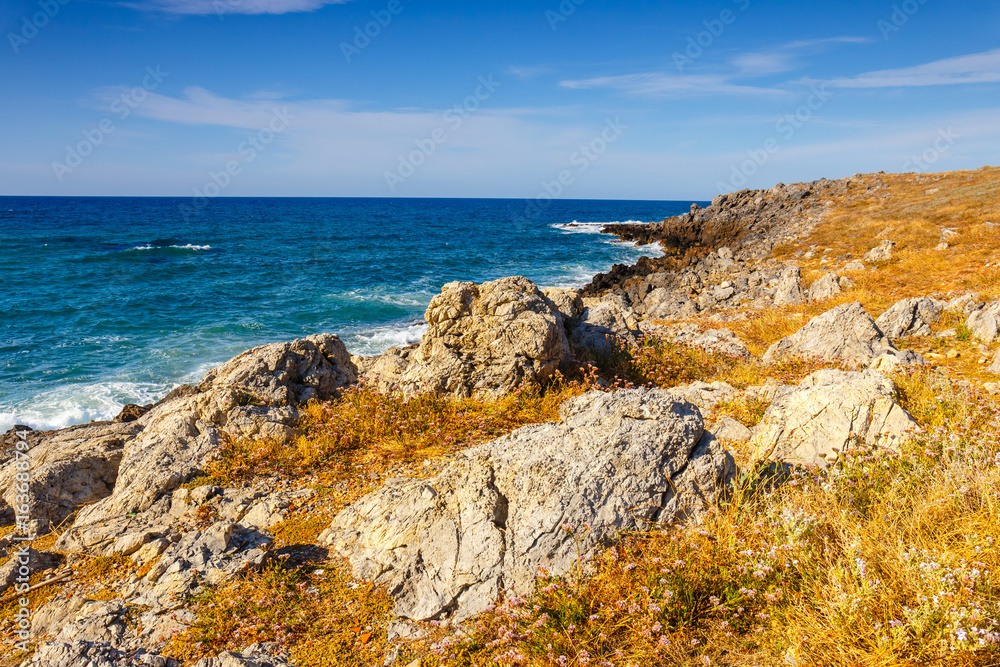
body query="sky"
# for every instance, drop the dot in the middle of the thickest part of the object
(579, 99)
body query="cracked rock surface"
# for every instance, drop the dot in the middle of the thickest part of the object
(446, 546)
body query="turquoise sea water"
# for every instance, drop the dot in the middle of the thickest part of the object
(107, 301)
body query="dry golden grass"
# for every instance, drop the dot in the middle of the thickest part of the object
(309, 603)
(912, 210)
(321, 616)
(883, 559)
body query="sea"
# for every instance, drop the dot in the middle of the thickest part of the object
(108, 301)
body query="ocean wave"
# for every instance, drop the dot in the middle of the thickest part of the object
(187, 246)
(379, 339)
(79, 403)
(380, 295)
(577, 227)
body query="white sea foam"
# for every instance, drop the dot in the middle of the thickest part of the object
(417, 298)
(378, 340)
(79, 403)
(188, 246)
(577, 227)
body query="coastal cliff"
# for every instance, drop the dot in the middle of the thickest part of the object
(775, 444)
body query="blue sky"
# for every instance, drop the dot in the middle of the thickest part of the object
(583, 98)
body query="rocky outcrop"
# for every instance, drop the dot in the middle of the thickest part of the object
(705, 396)
(729, 429)
(826, 412)
(995, 366)
(749, 222)
(253, 395)
(70, 467)
(789, 289)
(488, 338)
(711, 340)
(880, 253)
(605, 325)
(911, 317)
(36, 562)
(718, 282)
(91, 654)
(256, 655)
(448, 545)
(964, 305)
(826, 287)
(847, 333)
(567, 302)
(984, 323)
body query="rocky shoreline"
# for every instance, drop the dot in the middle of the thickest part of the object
(446, 546)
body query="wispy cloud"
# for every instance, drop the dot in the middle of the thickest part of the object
(670, 85)
(202, 107)
(786, 57)
(783, 58)
(529, 71)
(204, 7)
(975, 68)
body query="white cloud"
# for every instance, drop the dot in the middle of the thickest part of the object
(788, 56)
(204, 7)
(974, 68)
(529, 71)
(338, 148)
(670, 85)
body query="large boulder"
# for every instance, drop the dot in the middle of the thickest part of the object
(605, 324)
(995, 366)
(567, 301)
(712, 340)
(69, 468)
(847, 333)
(485, 338)
(92, 654)
(827, 411)
(984, 323)
(880, 253)
(964, 305)
(284, 374)
(826, 287)
(448, 545)
(789, 289)
(256, 655)
(911, 317)
(665, 304)
(252, 395)
(705, 396)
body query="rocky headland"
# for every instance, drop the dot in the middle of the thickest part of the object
(749, 388)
